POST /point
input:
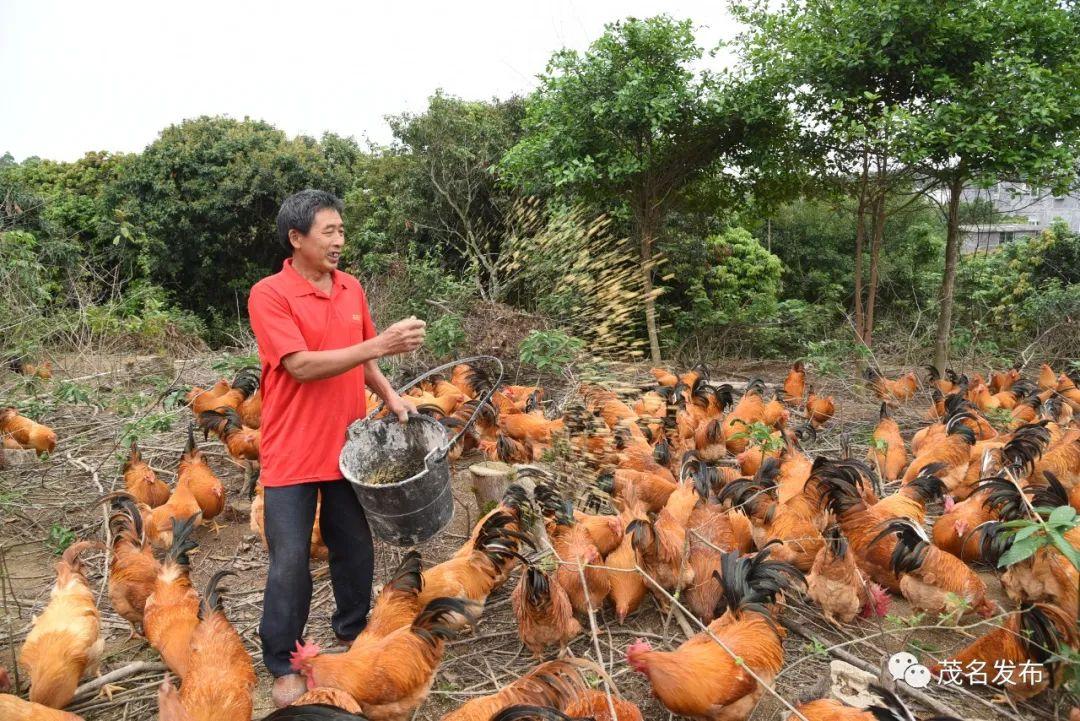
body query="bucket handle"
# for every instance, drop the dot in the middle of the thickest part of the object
(491, 391)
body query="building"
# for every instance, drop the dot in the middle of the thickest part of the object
(1028, 211)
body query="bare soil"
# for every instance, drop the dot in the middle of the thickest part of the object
(44, 505)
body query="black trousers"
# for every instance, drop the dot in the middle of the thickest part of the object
(289, 518)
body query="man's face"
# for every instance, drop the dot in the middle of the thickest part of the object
(320, 248)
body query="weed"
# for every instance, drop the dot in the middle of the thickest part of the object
(60, 537)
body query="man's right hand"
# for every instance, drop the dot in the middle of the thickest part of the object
(404, 336)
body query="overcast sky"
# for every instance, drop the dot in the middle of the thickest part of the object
(110, 75)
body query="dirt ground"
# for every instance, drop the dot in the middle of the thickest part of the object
(48, 503)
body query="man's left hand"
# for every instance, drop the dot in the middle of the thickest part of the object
(401, 407)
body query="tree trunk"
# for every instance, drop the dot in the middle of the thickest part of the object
(878, 235)
(649, 224)
(860, 236)
(948, 282)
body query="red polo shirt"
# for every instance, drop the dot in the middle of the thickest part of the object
(303, 424)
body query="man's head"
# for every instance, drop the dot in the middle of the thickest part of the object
(309, 226)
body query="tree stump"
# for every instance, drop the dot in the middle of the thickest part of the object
(13, 458)
(489, 482)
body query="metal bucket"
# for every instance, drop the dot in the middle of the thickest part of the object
(417, 502)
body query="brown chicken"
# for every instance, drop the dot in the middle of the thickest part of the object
(712, 531)
(243, 387)
(242, 442)
(749, 410)
(330, 697)
(181, 506)
(141, 481)
(171, 614)
(892, 708)
(251, 410)
(627, 587)
(951, 455)
(593, 704)
(887, 449)
(1047, 378)
(1063, 460)
(26, 432)
(819, 409)
(220, 676)
(196, 475)
(650, 489)
(389, 676)
(661, 546)
(837, 585)
(932, 579)
(577, 555)
(133, 569)
(664, 377)
(1039, 634)
(64, 642)
(944, 385)
(901, 389)
(795, 385)
(204, 399)
(476, 574)
(399, 600)
(545, 617)
(13, 708)
(702, 680)
(550, 685)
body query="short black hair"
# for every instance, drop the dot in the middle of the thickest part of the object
(299, 209)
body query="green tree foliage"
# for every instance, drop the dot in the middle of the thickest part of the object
(630, 121)
(206, 193)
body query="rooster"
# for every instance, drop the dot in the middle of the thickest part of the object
(901, 389)
(196, 475)
(551, 685)
(133, 568)
(749, 410)
(626, 584)
(545, 616)
(931, 579)
(702, 679)
(661, 546)
(795, 385)
(325, 697)
(577, 555)
(887, 449)
(391, 675)
(827, 709)
(951, 455)
(944, 385)
(64, 642)
(712, 532)
(171, 614)
(26, 432)
(241, 442)
(837, 585)
(250, 410)
(819, 409)
(141, 481)
(220, 676)
(1039, 634)
(650, 489)
(482, 570)
(13, 708)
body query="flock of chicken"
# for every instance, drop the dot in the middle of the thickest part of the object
(718, 512)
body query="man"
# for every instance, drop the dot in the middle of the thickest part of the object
(318, 349)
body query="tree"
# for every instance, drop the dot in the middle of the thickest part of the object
(630, 121)
(452, 193)
(207, 192)
(1007, 108)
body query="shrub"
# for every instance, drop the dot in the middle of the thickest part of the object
(445, 335)
(549, 349)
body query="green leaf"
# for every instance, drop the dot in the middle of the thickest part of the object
(1062, 515)
(1066, 549)
(1021, 550)
(1027, 531)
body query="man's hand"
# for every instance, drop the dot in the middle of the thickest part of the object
(401, 407)
(404, 336)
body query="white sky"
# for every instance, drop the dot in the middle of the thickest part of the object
(110, 75)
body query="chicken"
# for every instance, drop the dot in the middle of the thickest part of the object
(203, 399)
(943, 385)
(887, 449)
(1047, 378)
(220, 677)
(901, 389)
(550, 685)
(545, 617)
(952, 531)
(661, 546)
(141, 481)
(664, 377)
(478, 573)
(795, 385)
(398, 602)
(181, 506)
(593, 704)
(829, 709)
(837, 485)
(64, 642)
(749, 410)
(650, 489)
(172, 609)
(326, 696)
(1063, 460)
(712, 531)
(837, 585)
(13, 708)
(819, 409)
(133, 568)
(702, 679)
(196, 475)
(951, 454)
(243, 387)
(242, 442)
(931, 579)
(1039, 634)
(26, 432)
(627, 587)
(250, 410)
(389, 676)
(577, 555)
